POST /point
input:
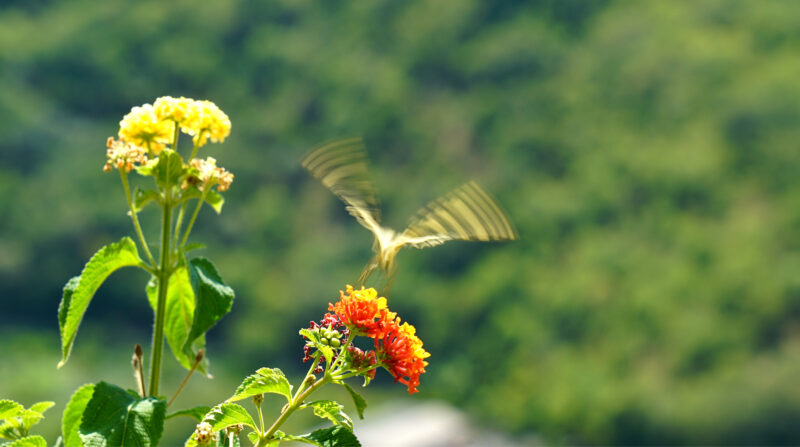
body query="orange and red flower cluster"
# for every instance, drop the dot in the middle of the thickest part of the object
(398, 348)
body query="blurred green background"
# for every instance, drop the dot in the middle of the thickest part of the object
(647, 152)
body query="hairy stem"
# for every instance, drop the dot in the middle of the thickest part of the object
(164, 272)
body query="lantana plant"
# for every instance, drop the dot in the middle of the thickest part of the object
(188, 295)
(334, 358)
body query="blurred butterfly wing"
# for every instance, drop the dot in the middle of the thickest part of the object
(343, 168)
(466, 213)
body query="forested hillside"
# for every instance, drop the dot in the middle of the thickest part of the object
(646, 151)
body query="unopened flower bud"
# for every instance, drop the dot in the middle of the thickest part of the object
(204, 433)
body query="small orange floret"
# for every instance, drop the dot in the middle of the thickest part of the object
(362, 310)
(402, 353)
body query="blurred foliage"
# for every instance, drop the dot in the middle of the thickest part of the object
(647, 152)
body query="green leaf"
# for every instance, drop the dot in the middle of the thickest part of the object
(216, 200)
(196, 413)
(9, 409)
(227, 414)
(359, 401)
(253, 437)
(213, 299)
(28, 441)
(115, 417)
(178, 317)
(265, 380)
(328, 409)
(338, 436)
(73, 413)
(170, 168)
(79, 292)
(35, 414)
(193, 246)
(142, 197)
(28, 419)
(43, 406)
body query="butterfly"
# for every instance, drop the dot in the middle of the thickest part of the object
(465, 213)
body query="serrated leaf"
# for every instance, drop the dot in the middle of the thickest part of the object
(28, 441)
(9, 409)
(73, 413)
(10, 429)
(328, 409)
(265, 380)
(170, 168)
(213, 299)
(196, 413)
(338, 436)
(142, 197)
(359, 401)
(79, 292)
(114, 417)
(216, 200)
(227, 414)
(178, 317)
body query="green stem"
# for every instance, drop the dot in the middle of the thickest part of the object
(175, 134)
(260, 417)
(298, 399)
(164, 272)
(194, 149)
(342, 351)
(194, 215)
(124, 176)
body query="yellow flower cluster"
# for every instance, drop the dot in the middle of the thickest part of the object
(205, 120)
(207, 173)
(151, 126)
(144, 128)
(122, 155)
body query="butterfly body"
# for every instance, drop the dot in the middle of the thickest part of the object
(466, 213)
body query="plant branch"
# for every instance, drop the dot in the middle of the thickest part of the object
(164, 272)
(124, 176)
(197, 361)
(200, 202)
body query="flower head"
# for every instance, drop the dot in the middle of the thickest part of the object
(204, 433)
(329, 331)
(144, 128)
(175, 109)
(122, 155)
(205, 120)
(362, 310)
(402, 354)
(206, 173)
